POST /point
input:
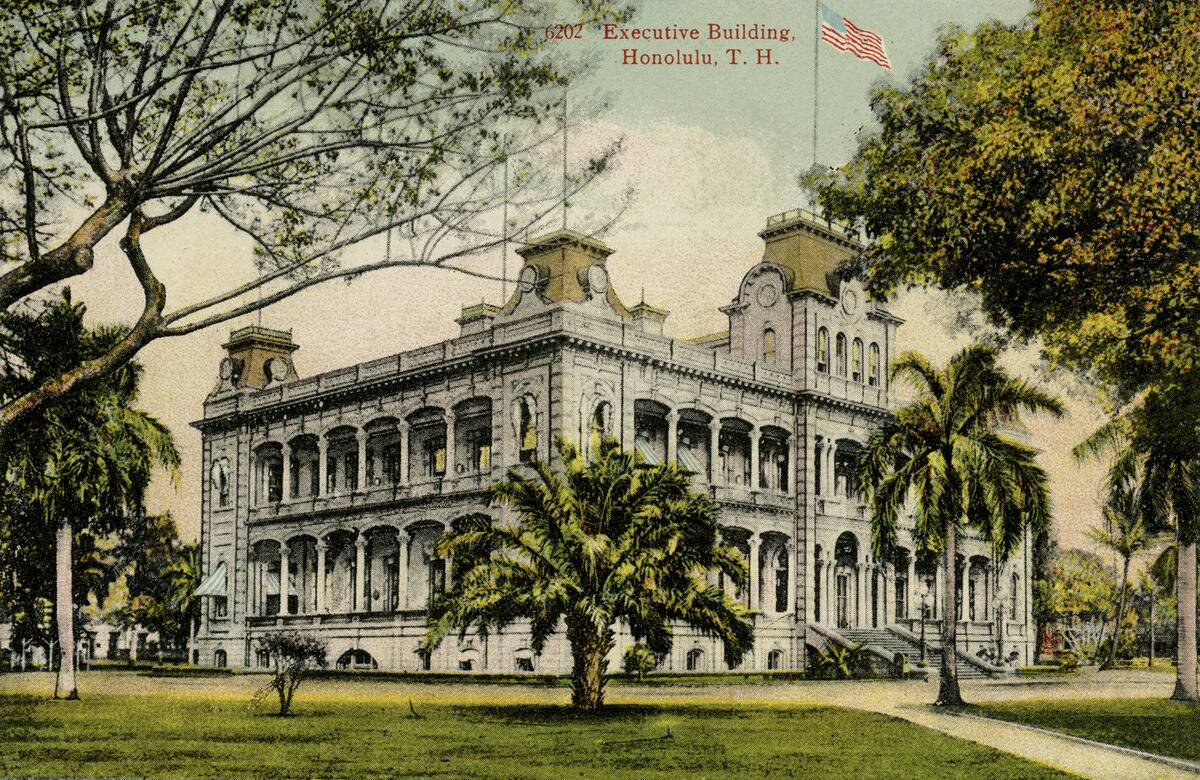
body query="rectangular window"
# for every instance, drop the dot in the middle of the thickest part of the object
(351, 471)
(331, 475)
(220, 606)
(274, 481)
(391, 463)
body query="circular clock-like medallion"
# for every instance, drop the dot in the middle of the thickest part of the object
(276, 370)
(768, 294)
(226, 370)
(597, 280)
(850, 300)
(527, 279)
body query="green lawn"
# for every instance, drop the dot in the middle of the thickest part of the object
(1154, 725)
(202, 735)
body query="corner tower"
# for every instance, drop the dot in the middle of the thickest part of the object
(257, 357)
(804, 310)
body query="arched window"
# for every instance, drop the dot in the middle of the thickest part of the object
(873, 365)
(695, 659)
(822, 349)
(768, 345)
(781, 580)
(601, 426)
(220, 658)
(220, 482)
(840, 355)
(1012, 597)
(525, 424)
(775, 660)
(856, 360)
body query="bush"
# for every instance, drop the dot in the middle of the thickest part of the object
(293, 657)
(639, 659)
(1069, 660)
(836, 662)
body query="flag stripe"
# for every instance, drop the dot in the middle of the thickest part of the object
(862, 43)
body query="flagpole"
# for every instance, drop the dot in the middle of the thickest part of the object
(816, 72)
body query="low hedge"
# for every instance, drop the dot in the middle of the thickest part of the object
(1045, 669)
(186, 670)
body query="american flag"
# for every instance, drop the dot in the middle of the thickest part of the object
(843, 35)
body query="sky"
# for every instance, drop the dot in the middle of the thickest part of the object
(710, 152)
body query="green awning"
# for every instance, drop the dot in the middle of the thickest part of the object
(214, 584)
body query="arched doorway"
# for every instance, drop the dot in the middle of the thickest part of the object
(845, 557)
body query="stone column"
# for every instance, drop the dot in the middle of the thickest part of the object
(360, 571)
(285, 560)
(755, 542)
(403, 428)
(914, 587)
(362, 460)
(451, 450)
(322, 466)
(937, 606)
(714, 445)
(830, 611)
(403, 539)
(286, 489)
(755, 472)
(830, 480)
(793, 564)
(320, 600)
(672, 435)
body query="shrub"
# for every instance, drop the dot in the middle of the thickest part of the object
(639, 659)
(842, 663)
(1068, 660)
(294, 656)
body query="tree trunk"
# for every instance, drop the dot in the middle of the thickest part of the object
(64, 608)
(589, 652)
(1185, 590)
(191, 658)
(1151, 664)
(1112, 647)
(948, 693)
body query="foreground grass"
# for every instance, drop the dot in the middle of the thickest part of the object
(202, 736)
(1154, 725)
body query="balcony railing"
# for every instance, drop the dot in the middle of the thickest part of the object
(373, 496)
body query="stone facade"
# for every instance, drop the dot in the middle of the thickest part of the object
(350, 476)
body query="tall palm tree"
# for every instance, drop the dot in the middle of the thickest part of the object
(594, 541)
(183, 573)
(85, 460)
(1160, 437)
(942, 452)
(1125, 533)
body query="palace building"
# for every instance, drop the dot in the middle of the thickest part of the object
(323, 496)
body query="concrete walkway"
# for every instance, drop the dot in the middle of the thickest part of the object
(1072, 754)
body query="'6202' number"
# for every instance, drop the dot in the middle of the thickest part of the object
(564, 32)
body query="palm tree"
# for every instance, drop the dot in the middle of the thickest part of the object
(85, 460)
(942, 452)
(1124, 533)
(594, 542)
(183, 573)
(1160, 438)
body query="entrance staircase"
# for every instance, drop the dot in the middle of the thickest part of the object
(891, 641)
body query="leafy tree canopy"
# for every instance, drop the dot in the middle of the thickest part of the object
(593, 542)
(1079, 584)
(1051, 166)
(308, 126)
